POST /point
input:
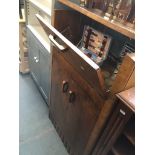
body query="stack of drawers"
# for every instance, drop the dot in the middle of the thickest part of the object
(23, 52)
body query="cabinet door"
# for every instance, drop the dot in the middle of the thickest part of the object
(44, 66)
(33, 56)
(72, 110)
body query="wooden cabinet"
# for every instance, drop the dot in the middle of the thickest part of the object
(72, 109)
(118, 137)
(80, 100)
(39, 61)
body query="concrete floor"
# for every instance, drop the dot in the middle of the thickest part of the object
(37, 134)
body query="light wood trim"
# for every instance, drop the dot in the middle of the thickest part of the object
(115, 26)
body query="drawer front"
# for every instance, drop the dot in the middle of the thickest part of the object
(85, 66)
(73, 111)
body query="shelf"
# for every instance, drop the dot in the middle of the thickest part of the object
(123, 147)
(45, 5)
(40, 35)
(97, 17)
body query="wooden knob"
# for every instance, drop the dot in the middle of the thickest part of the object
(72, 96)
(65, 86)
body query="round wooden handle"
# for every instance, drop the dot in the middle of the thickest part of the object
(65, 86)
(72, 96)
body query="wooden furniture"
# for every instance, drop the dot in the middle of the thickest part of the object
(23, 52)
(80, 99)
(118, 137)
(39, 44)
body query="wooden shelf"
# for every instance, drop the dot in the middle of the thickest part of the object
(97, 17)
(123, 147)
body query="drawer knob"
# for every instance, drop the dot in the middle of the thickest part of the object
(37, 60)
(72, 96)
(34, 58)
(65, 86)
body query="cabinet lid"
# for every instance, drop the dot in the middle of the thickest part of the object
(84, 65)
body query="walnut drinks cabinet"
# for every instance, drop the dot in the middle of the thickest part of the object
(81, 101)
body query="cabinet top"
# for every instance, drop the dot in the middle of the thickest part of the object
(97, 17)
(128, 97)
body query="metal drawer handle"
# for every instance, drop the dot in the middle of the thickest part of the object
(72, 96)
(122, 112)
(60, 47)
(65, 86)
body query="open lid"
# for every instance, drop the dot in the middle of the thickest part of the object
(77, 58)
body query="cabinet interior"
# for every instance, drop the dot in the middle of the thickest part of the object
(74, 22)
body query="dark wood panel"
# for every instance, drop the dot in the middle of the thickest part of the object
(92, 76)
(123, 147)
(71, 20)
(129, 130)
(74, 120)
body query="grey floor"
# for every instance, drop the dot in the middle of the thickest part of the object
(37, 134)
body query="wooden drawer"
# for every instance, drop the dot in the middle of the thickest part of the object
(88, 69)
